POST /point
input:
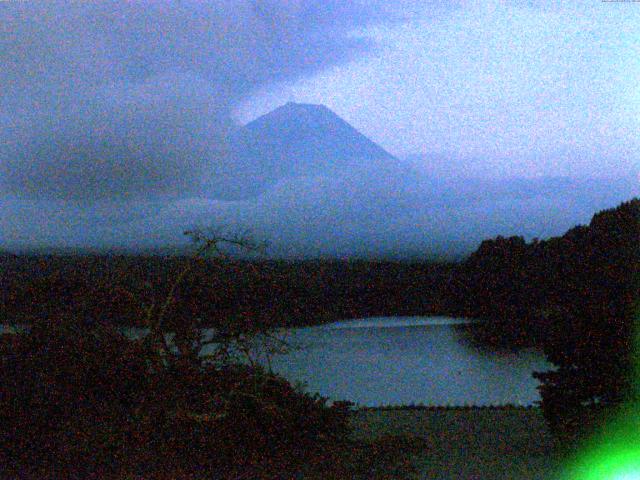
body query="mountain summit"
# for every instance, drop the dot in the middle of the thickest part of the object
(306, 139)
(295, 140)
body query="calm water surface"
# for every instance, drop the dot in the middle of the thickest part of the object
(403, 360)
(407, 360)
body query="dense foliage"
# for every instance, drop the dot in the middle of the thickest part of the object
(81, 399)
(521, 289)
(592, 341)
(576, 296)
(84, 401)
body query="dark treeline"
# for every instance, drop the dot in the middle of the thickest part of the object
(527, 292)
(578, 297)
(119, 289)
(522, 290)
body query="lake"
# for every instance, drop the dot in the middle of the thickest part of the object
(402, 360)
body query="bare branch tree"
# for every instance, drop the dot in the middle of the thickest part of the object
(238, 340)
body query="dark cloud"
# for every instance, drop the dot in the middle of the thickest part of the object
(105, 99)
(234, 43)
(114, 114)
(129, 139)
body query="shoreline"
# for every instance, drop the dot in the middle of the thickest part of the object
(420, 407)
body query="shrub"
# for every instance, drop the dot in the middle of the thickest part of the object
(81, 400)
(85, 401)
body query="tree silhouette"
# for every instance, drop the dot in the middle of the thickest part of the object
(590, 335)
(576, 296)
(82, 400)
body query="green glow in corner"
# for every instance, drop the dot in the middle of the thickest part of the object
(614, 452)
(628, 476)
(616, 467)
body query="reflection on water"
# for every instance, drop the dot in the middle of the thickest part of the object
(392, 322)
(402, 360)
(408, 360)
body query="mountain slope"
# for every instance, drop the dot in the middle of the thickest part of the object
(293, 140)
(302, 139)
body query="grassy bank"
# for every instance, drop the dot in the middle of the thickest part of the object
(466, 444)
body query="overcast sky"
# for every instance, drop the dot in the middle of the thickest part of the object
(112, 113)
(549, 89)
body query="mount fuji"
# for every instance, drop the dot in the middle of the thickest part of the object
(291, 141)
